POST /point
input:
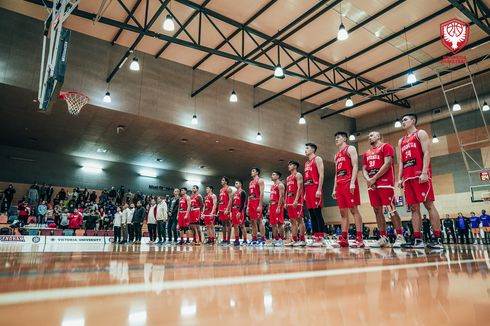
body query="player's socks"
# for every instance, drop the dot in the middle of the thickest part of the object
(417, 234)
(382, 233)
(263, 238)
(302, 238)
(437, 234)
(399, 231)
(295, 238)
(276, 237)
(282, 237)
(237, 238)
(254, 238)
(344, 235)
(359, 234)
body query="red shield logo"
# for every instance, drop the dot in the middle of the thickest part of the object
(455, 34)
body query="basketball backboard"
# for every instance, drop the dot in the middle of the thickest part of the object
(54, 52)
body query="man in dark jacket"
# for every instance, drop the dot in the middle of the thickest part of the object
(173, 208)
(138, 219)
(9, 196)
(462, 224)
(449, 228)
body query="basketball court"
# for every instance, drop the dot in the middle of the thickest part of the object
(138, 101)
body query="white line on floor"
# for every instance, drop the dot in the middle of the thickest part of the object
(107, 290)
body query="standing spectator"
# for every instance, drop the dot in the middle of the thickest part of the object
(43, 191)
(463, 228)
(161, 218)
(308, 226)
(129, 220)
(57, 213)
(376, 233)
(138, 219)
(124, 224)
(50, 217)
(75, 219)
(24, 211)
(449, 228)
(426, 228)
(112, 194)
(62, 195)
(485, 223)
(49, 193)
(33, 196)
(172, 216)
(475, 228)
(365, 232)
(64, 222)
(151, 220)
(9, 196)
(42, 209)
(120, 195)
(92, 197)
(103, 197)
(117, 225)
(91, 220)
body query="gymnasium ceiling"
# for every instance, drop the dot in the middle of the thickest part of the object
(382, 35)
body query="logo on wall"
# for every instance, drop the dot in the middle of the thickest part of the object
(455, 34)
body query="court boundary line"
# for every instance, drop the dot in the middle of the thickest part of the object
(107, 290)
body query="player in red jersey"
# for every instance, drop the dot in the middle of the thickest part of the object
(378, 168)
(276, 209)
(255, 206)
(294, 204)
(313, 183)
(210, 202)
(415, 174)
(238, 212)
(346, 189)
(183, 215)
(224, 210)
(195, 215)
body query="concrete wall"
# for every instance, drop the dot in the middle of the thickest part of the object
(161, 90)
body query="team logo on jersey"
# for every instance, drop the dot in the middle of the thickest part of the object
(455, 34)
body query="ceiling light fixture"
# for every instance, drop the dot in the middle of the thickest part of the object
(398, 123)
(435, 140)
(278, 71)
(349, 103)
(91, 168)
(302, 120)
(411, 78)
(168, 24)
(107, 97)
(485, 107)
(352, 137)
(259, 136)
(342, 34)
(134, 66)
(456, 106)
(149, 174)
(194, 119)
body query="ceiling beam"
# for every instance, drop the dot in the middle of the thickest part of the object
(442, 73)
(359, 53)
(480, 19)
(126, 20)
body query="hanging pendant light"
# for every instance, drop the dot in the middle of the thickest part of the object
(342, 34)
(134, 66)
(259, 136)
(349, 103)
(302, 120)
(456, 106)
(398, 123)
(278, 71)
(435, 140)
(194, 119)
(168, 24)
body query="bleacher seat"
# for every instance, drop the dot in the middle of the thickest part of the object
(101, 233)
(90, 233)
(110, 233)
(33, 232)
(68, 232)
(58, 232)
(46, 232)
(11, 219)
(3, 219)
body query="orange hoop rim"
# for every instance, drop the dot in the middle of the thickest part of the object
(63, 94)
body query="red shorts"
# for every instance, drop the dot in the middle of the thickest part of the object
(234, 219)
(344, 198)
(223, 217)
(182, 221)
(312, 201)
(194, 216)
(252, 211)
(381, 196)
(274, 217)
(295, 212)
(208, 219)
(416, 192)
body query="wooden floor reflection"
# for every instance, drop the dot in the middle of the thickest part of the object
(203, 285)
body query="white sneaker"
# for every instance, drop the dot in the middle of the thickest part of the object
(318, 243)
(399, 241)
(381, 243)
(326, 244)
(289, 244)
(279, 243)
(299, 244)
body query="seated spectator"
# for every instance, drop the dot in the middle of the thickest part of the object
(64, 223)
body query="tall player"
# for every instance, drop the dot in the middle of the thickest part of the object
(294, 204)
(210, 202)
(313, 183)
(415, 174)
(238, 212)
(276, 209)
(183, 215)
(346, 189)
(195, 214)
(256, 205)
(378, 168)
(224, 209)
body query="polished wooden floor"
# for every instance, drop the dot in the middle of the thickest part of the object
(130, 285)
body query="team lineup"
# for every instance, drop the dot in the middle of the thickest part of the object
(378, 170)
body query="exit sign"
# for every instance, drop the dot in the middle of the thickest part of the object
(484, 176)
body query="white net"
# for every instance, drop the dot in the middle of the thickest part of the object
(75, 101)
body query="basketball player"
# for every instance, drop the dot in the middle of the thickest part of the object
(313, 183)
(210, 202)
(183, 216)
(195, 214)
(224, 210)
(415, 174)
(475, 228)
(378, 168)
(238, 213)
(294, 204)
(255, 206)
(276, 209)
(346, 189)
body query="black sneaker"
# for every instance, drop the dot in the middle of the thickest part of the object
(414, 244)
(435, 244)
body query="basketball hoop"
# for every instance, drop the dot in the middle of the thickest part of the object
(74, 100)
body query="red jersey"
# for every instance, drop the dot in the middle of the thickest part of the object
(275, 195)
(183, 204)
(312, 177)
(374, 158)
(343, 166)
(254, 191)
(412, 157)
(208, 204)
(196, 201)
(237, 200)
(223, 199)
(292, 190)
